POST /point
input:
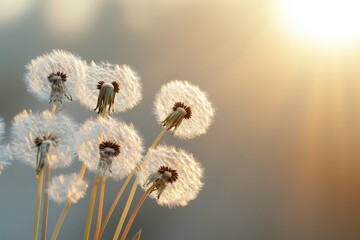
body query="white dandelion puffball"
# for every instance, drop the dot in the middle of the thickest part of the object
(57, 61)
(69, 187)
(189, 175)
(28, 128)
(5, 157)
(123, 141)
(2, 129)
(197, 109)
(129, 85)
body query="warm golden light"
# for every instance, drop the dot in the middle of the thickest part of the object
(325, 21)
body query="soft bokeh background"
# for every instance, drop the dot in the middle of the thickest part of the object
(282, 157)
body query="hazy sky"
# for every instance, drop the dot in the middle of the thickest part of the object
(281, 159)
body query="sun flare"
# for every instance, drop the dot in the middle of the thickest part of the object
(325, 21)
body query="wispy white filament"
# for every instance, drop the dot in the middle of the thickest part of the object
(38, 70)
(26, 126)
(130, 92)
(93, 132)
(2, 129)
(189, 94)
(190, 175)
(69, 187)
(5, 157)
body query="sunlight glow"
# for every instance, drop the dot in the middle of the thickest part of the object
(325, 21)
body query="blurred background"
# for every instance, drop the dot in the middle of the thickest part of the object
(282, 158)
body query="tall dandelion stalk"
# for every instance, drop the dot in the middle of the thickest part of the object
(46, 194)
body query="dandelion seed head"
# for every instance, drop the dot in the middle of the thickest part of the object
(185, 107)
(69, 187)
(45, 70)
(121, 78)
(5, 157)
(2, 129)
(184, 185)
(97, 131)
(30, 130)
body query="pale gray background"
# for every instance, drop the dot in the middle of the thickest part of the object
(281, 159)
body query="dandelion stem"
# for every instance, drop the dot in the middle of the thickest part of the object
(60, 220)
(132, 193)
(53, 108)
(103, 112)
(136, 210)
(115, 202)
(46, 203)
(82, 170)
(125, 211)
(100, 207)
(91, 207)
(38, 203)
(66, 208)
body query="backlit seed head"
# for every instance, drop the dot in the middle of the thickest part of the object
(116, 142)
(2, 129)
(179, 100)
(175, 175)
(37, 138)
(46, 75)
(5, 157)
(119, 79)
(70, 187)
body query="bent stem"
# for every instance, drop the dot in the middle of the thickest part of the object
(46, 203)
(132, 193)
(136, 210)
(125, 211)
(38, 203)
(66, 208)
(91, 207)
(115, 203)
(100, 207)
(53, 108)
(60, 220)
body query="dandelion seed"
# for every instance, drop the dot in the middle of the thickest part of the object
(43, 137)
(183, 107)
(55, 74)
(106, 95)
(176, 175)
(65, 188)
(160, 178)
(108, 144)
(108, 150)
(115, 87)
(2, 129)
(58, 88)
(44, 143)
(4, 157)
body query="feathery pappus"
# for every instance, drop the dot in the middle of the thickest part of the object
(109, 147)
(175, 175)
(183, 107)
